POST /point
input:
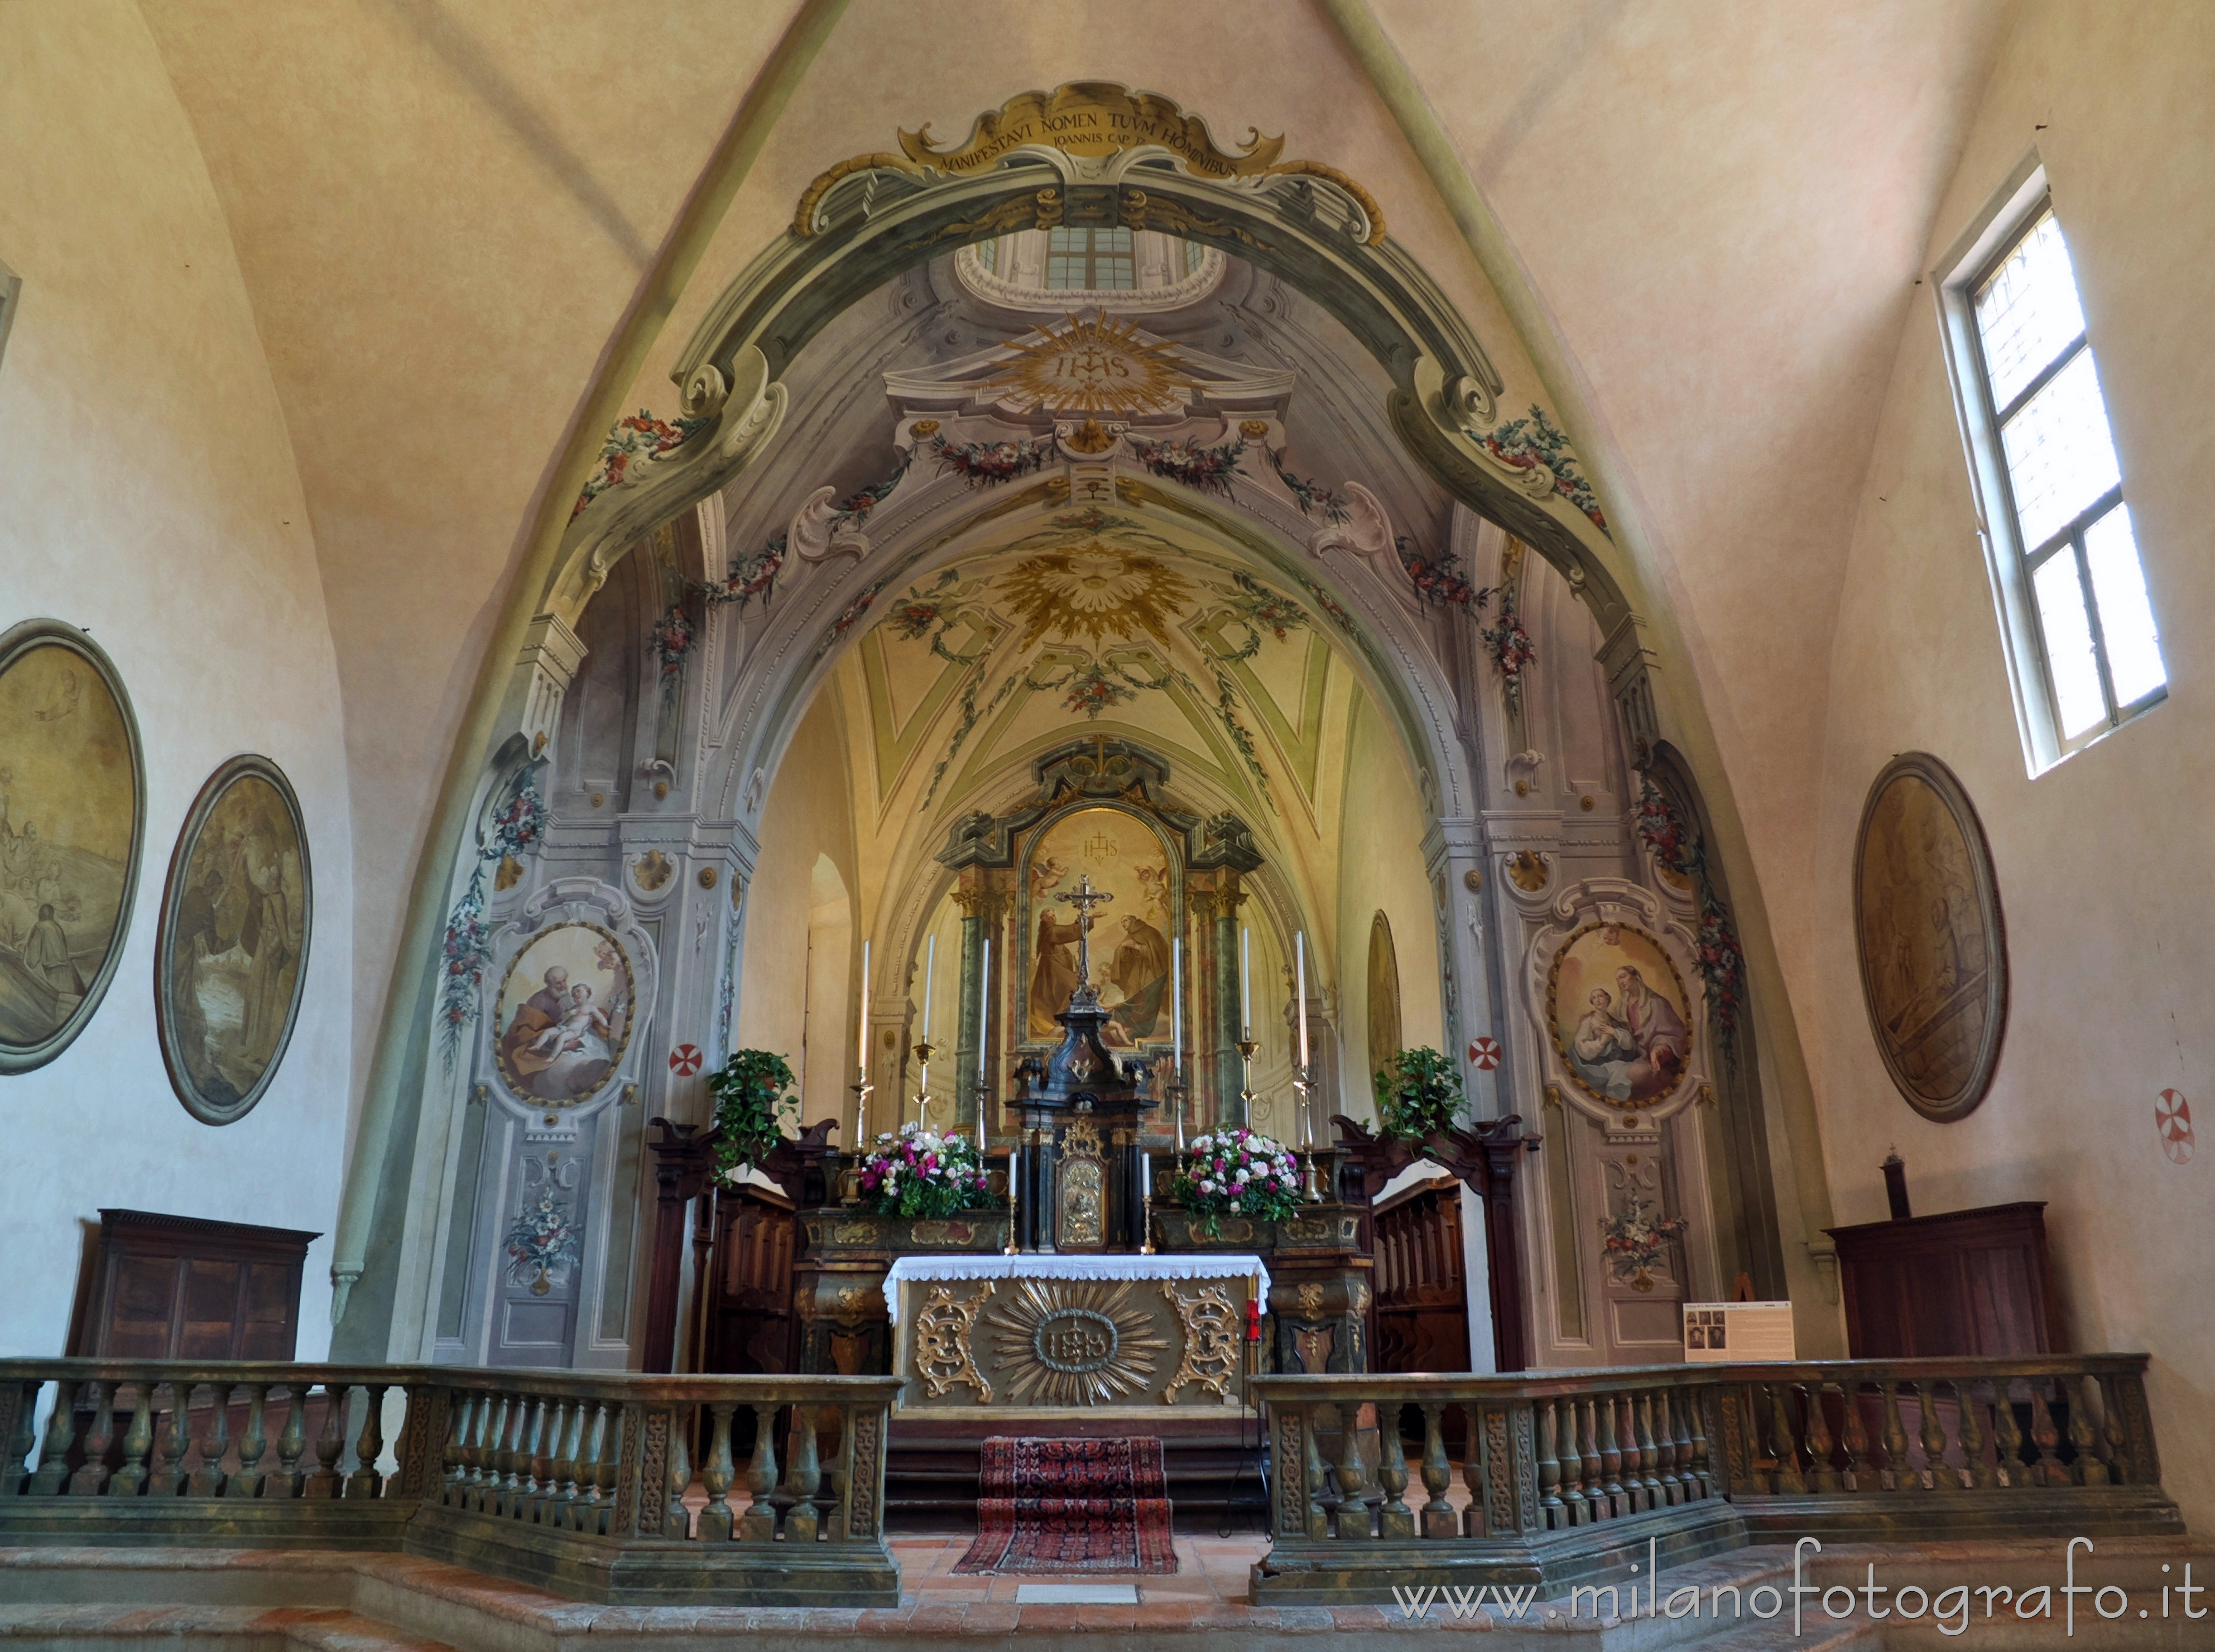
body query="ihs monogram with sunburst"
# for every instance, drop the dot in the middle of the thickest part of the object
(1094, 364)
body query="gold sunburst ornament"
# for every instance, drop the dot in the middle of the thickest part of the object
(1074, 1342)
(1093, 592)
(1093, 365)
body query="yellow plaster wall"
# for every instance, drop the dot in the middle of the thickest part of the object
(809, 813)
(1381, 869)
(152, 500)
(2101, 861)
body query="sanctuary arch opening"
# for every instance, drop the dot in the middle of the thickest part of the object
(984, 662)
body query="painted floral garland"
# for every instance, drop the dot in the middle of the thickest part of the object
(674, 638)
(1208, 469)
(1536, 442)
(983, 464)
(1512, 650)
(641, 436)
(1676, 849)
(519, 825)
(1439, 578)
(919, 1173)
(1239, 1172)
(1310, 496)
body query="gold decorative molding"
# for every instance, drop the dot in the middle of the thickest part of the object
(942, 1352)
(1091, 365)
(1073, 1343)
(1211, 1329)
(1527, 870)
(1092, 124)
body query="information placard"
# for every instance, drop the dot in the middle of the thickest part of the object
(1719, 1332)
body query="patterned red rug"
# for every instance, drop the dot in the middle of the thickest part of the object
(1065, 1506)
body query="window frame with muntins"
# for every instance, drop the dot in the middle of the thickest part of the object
(2016, 565)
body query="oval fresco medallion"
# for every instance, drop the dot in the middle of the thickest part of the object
(1620, 1018)
(72, 821)
(564, 1016)
(1932, 946)
(231, 955)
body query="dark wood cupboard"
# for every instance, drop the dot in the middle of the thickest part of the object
(1966, 1282)
(159, 1287)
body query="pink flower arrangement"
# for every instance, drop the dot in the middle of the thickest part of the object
(1237, 1171)
(919, 1173)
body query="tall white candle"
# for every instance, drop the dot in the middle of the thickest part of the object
(1146, 1174)
(1176, 1002)
(1300, 983)
(862, 1044)
(1245, 981)
(983, 1006)
(930, 969)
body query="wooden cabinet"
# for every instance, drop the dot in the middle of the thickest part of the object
(1968, 1282)
(179, 1288)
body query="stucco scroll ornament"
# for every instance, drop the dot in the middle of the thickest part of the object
(820, 529)
(1366, 534)
(1211, 1325)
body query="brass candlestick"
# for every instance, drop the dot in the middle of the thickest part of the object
(923, 1052)
(1308, 1191)
(1146, 1222)
(852, 1190)
(1177, 1093)
(1248, 1048)
(1014, 1196)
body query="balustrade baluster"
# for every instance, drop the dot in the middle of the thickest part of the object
(138, 1441)
(1665, 1442)
(329, 1443)
(2048, 1469)
(1973, 1434)
(1552, 1509)
(2111, 1430)
(715, 1471)
(2090, 1471)
(589, 1513)
(530, 1435)
(676, 1518)
(61, 1434)
(22, 1434)
(610, 1455)
(492, 1435)
(460, 1409)
(1822, 1472)
(1703, 1468)
(1575, 1504)
(1312, 1475)
(1904, 1477)
(1639, 1408)
(561, 1464)
(253, 1446)
(167, 1479)
(1610, 1458)
(1395, 1519)
(802, 1476)
(1353, 1511)
(1783, 1442)
(514, 1458)
(1855, 1437)
(368, 1447)
(1943, 1477)
(1437, 1475)
(1472, 1471)
(2008, 1429)
(92, 1475)
(1596, 1501)
(213, 1447)
(758, 1523)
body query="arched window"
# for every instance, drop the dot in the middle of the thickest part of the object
(1099, 266)
(1383, 995)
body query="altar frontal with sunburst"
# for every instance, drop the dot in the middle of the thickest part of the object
(1073, 1343)
(1094, 364)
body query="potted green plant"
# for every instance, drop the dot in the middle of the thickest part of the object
(754, 1094)
(1417, 1095)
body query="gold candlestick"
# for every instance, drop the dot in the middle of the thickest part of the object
(1308, 1191)
(1146, 1223)
(1248, 1048)
(851, 1192)
(923, 1052)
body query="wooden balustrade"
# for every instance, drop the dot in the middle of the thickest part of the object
(572, 1481)
(1574, 1476)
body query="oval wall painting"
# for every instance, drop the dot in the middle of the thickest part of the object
(564, 1015)
(1621, 1023)
(72, 820)
(1926, 926)
(232, 953)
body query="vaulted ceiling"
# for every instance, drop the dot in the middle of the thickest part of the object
(444, 210)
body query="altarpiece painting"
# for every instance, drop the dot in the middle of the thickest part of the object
(233, 948)
(1125, 859)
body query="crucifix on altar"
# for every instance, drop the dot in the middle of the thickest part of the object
(1085, 898)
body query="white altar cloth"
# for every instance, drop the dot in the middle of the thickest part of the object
(1033, 1266)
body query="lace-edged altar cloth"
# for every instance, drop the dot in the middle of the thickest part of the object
(1048, 1266)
